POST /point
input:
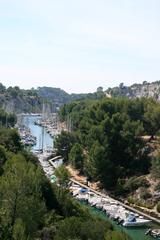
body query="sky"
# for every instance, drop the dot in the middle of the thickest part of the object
(79, 45)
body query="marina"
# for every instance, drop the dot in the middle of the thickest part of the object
(104, 206)
(50, 123)
(44, 140)
(26, 137)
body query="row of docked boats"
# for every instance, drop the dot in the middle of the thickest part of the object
(112, 208)
(48, 162)
(50, 126)
(26, 137)
(45, 164)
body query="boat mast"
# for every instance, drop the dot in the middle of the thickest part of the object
(42, 138)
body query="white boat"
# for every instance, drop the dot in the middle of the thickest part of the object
(82, 197)
(133, 221)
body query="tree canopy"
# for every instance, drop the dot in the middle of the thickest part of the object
(106, 139)
(31, 208)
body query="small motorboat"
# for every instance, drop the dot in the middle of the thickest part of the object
(133, 221)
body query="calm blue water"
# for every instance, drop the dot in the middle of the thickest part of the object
(39, 133)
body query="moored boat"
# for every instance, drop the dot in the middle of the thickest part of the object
(133, 221)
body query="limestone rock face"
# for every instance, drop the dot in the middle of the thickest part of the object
(145, 89)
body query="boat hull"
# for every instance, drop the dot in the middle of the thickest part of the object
(136, 224)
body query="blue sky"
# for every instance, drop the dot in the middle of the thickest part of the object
(78, 45)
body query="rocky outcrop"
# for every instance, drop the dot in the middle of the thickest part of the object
(145, 89)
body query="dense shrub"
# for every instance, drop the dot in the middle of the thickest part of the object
(145, 194)
(158, 207)
(134, 183)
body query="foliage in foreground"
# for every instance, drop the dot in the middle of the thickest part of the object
(33, 209)
(106, 141)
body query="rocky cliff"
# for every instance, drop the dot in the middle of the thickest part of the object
(145, 89)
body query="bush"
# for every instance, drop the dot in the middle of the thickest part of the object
(157, 188)
(114, 235)
(131, 200)
(134, 183)
(140, 203)
(145, 194)
(93, 228)
(158, 207)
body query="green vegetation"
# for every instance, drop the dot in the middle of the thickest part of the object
(58, 97)
(134, 183)
(7, 119)
(64, 144)
(63, 176)
(14, 99)
(31, 208)
(106, 141)
(155, 170)
(158, 207)
(76, 156)
(145, 194)
(116, 236)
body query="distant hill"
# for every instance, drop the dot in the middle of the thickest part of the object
(14, 99)
(58, 97)
(145, 89)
